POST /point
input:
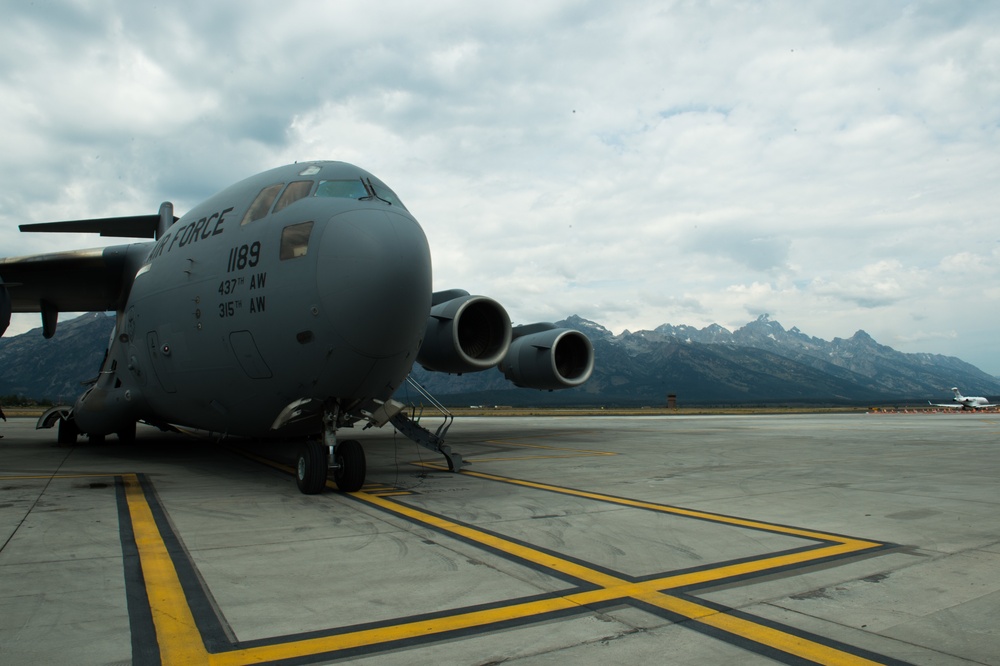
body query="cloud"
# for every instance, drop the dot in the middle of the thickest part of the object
(872, 286)
(832, 164)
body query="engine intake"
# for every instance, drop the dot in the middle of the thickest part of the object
(464, 333)
(548, 358)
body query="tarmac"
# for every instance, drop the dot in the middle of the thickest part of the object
(831, 539)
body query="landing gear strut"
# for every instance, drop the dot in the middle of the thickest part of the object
(316, 458)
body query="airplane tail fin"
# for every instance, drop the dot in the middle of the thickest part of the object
(958, 394)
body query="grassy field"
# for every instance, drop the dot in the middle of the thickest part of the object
(33, 412)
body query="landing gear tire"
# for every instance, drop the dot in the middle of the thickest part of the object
(311, 468)
(350, 470)
(68, 432)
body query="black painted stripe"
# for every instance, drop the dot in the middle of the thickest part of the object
(214, 630)
(145, 649)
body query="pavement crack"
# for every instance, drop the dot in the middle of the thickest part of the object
(31, 508)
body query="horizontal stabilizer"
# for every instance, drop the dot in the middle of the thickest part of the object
(136, 226)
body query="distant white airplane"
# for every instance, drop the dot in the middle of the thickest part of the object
(964, 401)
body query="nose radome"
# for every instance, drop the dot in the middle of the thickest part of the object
(375, 280)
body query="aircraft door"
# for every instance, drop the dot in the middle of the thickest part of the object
(248, 356)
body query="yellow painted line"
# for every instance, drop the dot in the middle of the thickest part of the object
(59, 476)
(424, 628)
(478, 459)
(555, 435)
(756, 566)
(566, 452)
(180, 641)
(843, 546)
(176, 631)
(789, 643)
(610, 588)
(690, 513)
(551, 562)
(521, 445)
(261, 459)
(406, 630)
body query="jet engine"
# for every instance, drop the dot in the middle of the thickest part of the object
(548, 358)
(5, 308)
(464, 333)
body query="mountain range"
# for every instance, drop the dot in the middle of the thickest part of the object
(759, 363)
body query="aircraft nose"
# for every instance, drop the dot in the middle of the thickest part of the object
(375, 280)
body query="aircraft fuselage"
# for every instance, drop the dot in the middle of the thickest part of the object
(309, 281)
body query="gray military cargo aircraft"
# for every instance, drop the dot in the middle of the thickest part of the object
(290, 305)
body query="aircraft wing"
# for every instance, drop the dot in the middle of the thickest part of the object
(135, 226)
(94, 280)
(952, 405)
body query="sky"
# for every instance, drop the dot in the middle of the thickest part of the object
(831, 164)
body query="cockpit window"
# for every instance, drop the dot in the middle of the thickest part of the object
(362, 189)
(342, 189)
(295, 191)
(295, 240)
(262, 203)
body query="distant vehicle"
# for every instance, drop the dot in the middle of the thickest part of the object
(964, 401)
(290, 305)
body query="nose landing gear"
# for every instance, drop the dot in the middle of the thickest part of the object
(317, 458)
(312, 466)
(349, 466)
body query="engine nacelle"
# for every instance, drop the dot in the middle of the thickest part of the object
(548, 358)
(5, 308)
(464, 333)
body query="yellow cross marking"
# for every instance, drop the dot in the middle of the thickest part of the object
(180, 641)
